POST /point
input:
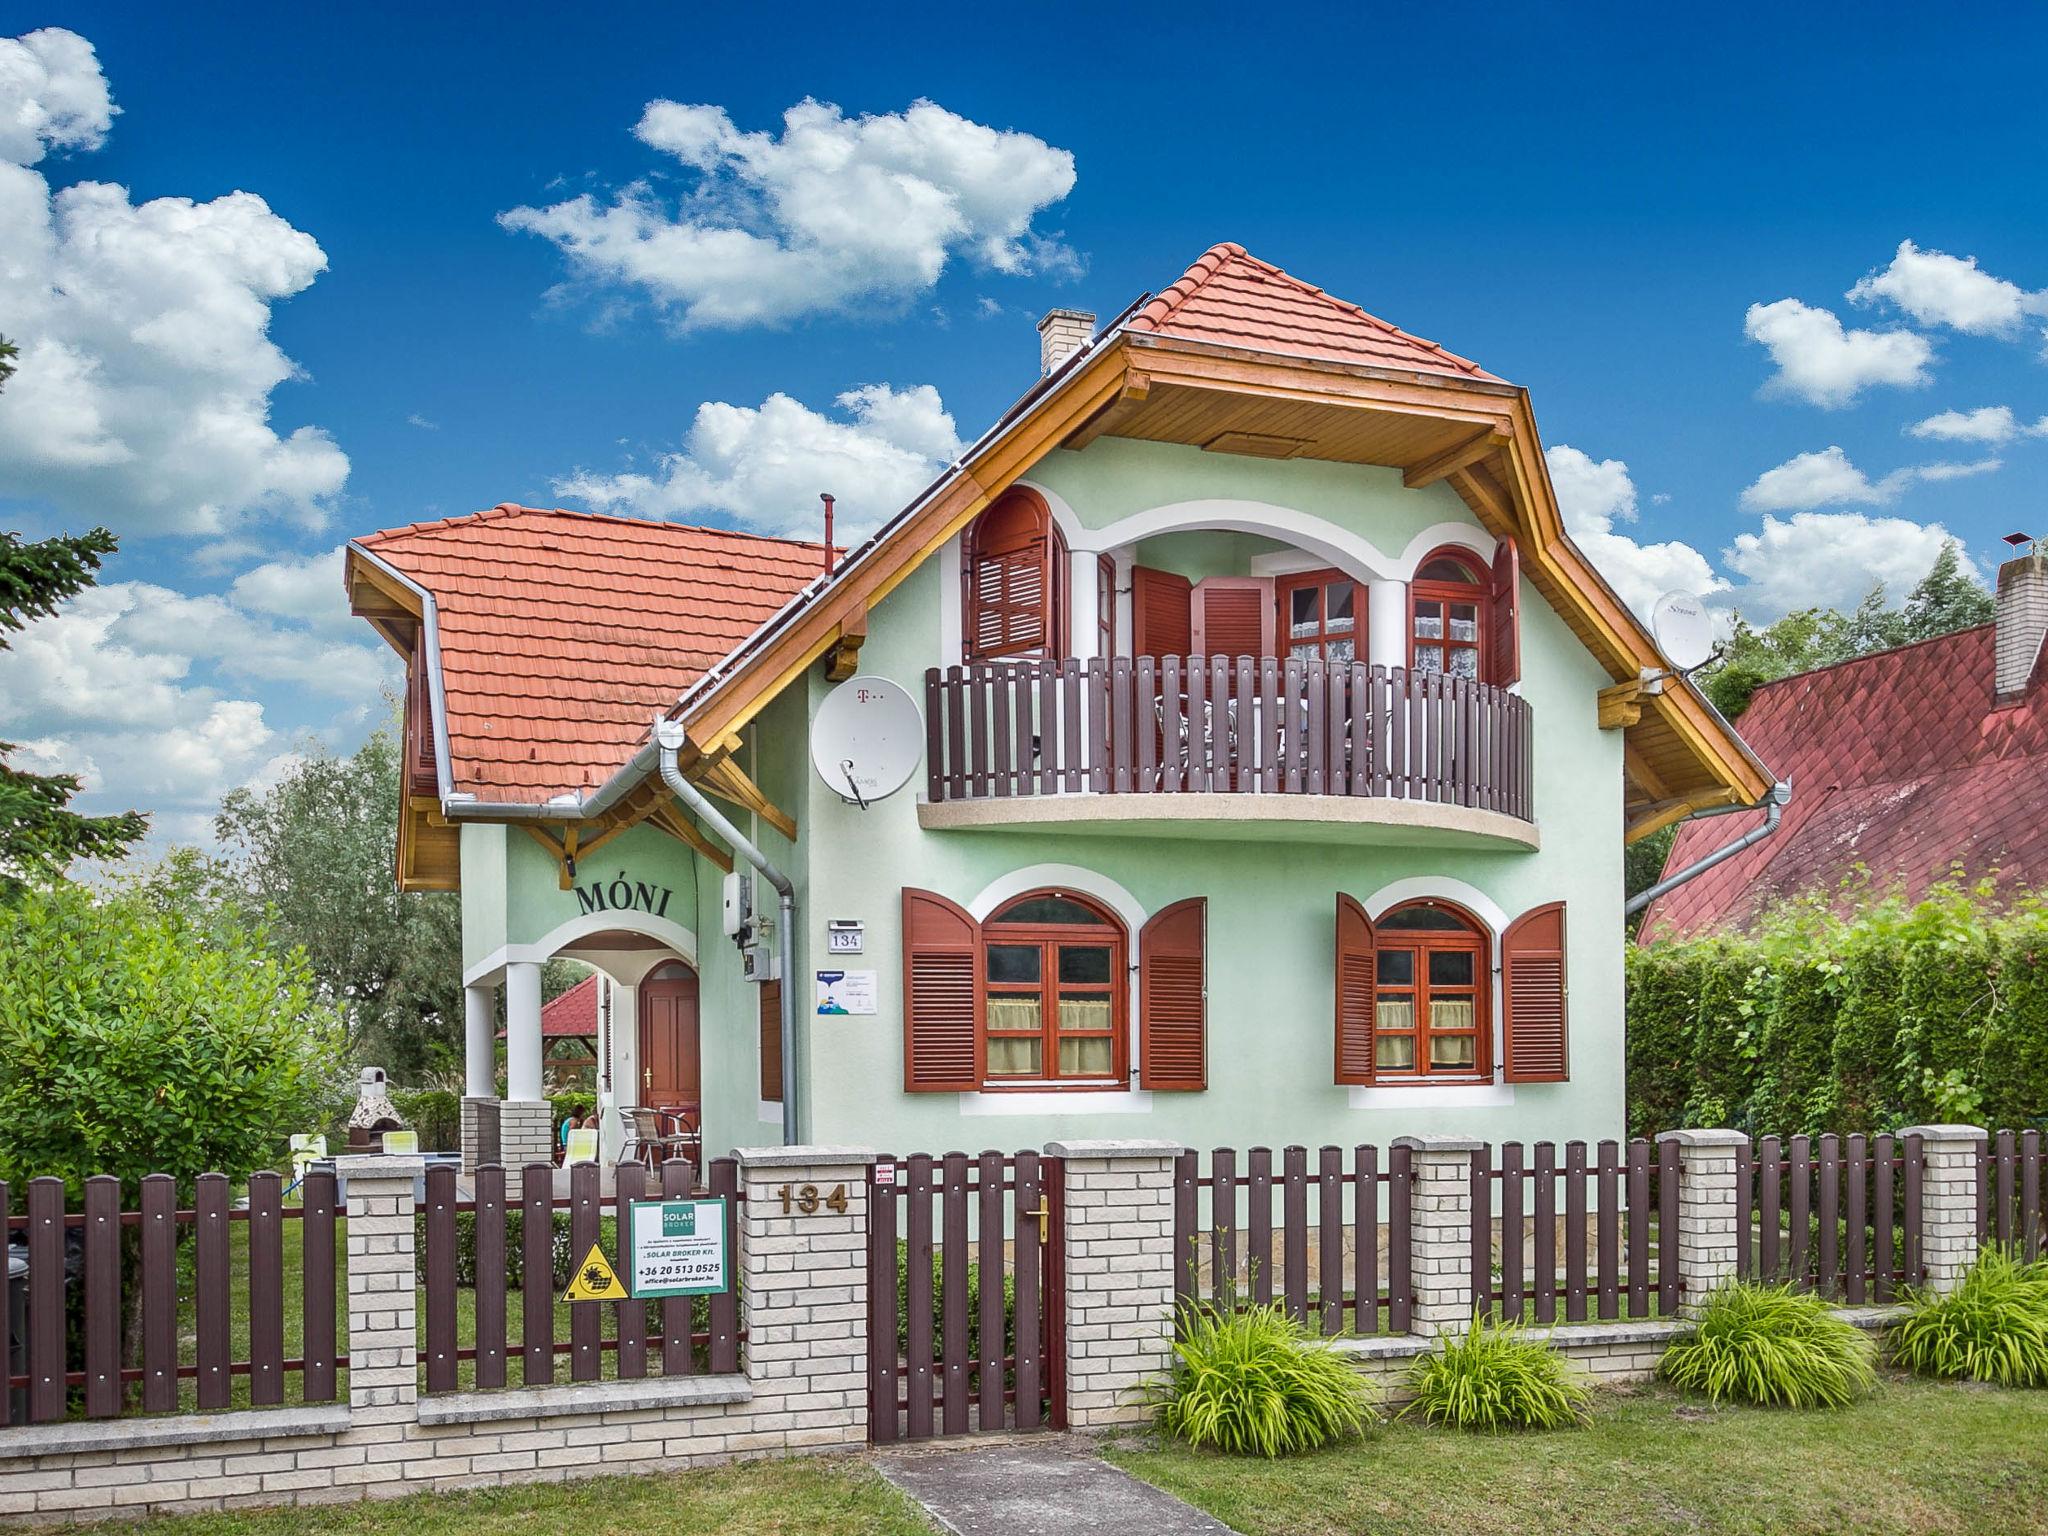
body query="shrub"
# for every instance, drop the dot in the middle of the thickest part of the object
(1772, 1345)
(436, 1114)
(938, 1294)
(1495, 1378)
(1254, 1383)
(1992, 1327)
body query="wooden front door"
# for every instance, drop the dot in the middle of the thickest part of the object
(669, 1063)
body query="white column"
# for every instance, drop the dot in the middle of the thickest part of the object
(1709, 1245)
(1440, 1232)
(1951, 1163)
(522, 1032)
(1386, 623)
(480, 1045)
(1083, 626)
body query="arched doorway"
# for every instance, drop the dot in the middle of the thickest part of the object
(671, 1075)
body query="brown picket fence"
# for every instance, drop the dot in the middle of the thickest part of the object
(2010, 1194)
(1596, 1230)
(638, 1336)
(87, 1266)
(1835, 1214)
(1362, 1284)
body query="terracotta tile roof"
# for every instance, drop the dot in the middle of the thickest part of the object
(1235, 299)
(571, 1016)
(1898, 762)
(564, 633)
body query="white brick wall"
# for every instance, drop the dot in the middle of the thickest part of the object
(1948, 1199)
(1440, 1231)
(1118, 1210)
(1708, 1243)
(804, 1387)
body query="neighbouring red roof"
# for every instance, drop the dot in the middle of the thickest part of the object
(1237, 300)
(572, 1016)
(1898, 762)
(563, 634)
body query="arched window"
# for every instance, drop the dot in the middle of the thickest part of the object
(1430, 1010)
(1448, 616)
(1053, 992)
(1014, 572)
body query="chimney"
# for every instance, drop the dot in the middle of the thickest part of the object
(1061, 334)
(2022, 619)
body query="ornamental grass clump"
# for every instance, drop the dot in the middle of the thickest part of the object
(1772, 1345)
(1254, 1383)
(1992, 1327)
(1494, 1378)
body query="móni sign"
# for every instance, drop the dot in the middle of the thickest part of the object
(677, 1248)
(623, 895)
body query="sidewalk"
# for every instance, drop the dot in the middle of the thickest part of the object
(1046, 1486)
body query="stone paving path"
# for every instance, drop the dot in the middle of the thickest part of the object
(1041, 1487)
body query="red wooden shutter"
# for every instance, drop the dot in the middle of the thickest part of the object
(1010, 579)
(1172, 999)
(1533, 987)
(941, 996)
(1357, 983)
(1507, 619)
(423, 776)
(1162, 613)
(1234, 616)
(771, 1040)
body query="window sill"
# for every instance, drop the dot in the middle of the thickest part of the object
(1415, 1093)
(1038, 1100)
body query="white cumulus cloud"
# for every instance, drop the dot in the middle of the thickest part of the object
(142, 396)
(1934, 288)
(1831, 559)
(831, 214)
(1823, 364)
(1829, 478)
(1593, 495)
(762, 467)
(1992, 424)
(52, 95)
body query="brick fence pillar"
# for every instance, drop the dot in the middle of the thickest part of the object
(1709, 1246)
(1118, 1237)
(526, 1134)
(1951, 1165)
(1440, 1232)
(804, 1293)
(383, 1274)
(479, 1132)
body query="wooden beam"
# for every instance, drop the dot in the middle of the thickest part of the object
(1137, 388)
(670, 819)
(843, 660)
(1643, 773)
(726, 779)
(1621, 705)
(1440, 466)
(1654, 818)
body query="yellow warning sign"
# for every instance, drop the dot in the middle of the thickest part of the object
(594, 1279)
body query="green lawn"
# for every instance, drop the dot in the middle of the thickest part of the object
(1917, 1457)
(805, 1496)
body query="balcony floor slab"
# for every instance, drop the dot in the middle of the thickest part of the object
(1241, 817)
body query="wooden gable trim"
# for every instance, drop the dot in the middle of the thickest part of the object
(1440, 466)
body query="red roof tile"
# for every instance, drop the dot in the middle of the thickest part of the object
(571, 1016)
(1235, 299)
(563, 634)
(1898, 763)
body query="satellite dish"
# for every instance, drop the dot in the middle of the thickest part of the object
(867, 739)
(1684, 632)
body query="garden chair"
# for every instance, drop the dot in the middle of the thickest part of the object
(654, 1135)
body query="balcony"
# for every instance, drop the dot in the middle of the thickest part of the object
(1234, 746)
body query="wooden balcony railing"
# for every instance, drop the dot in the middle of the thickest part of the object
(1220, 724)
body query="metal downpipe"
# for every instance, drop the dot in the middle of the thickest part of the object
(1773, 803)
(669, 736)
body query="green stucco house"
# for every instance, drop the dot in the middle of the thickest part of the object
(1230, 747)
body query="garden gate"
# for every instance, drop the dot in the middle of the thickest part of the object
(964, 1325)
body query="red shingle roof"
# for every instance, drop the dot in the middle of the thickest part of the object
(1234, 299)
(572, 1016)
(1899, 763)
(564, 633)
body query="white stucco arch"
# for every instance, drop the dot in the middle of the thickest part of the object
(1070, 877)
(1441, 888)
(683, 941)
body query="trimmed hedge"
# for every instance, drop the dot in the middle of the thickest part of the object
(1902, 1013)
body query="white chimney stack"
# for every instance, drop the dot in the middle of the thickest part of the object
(2022, 621)
(1061, 334)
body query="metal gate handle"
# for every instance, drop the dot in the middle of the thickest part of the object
(1044, 1215)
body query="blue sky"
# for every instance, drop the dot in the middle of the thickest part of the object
(1655, 227)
